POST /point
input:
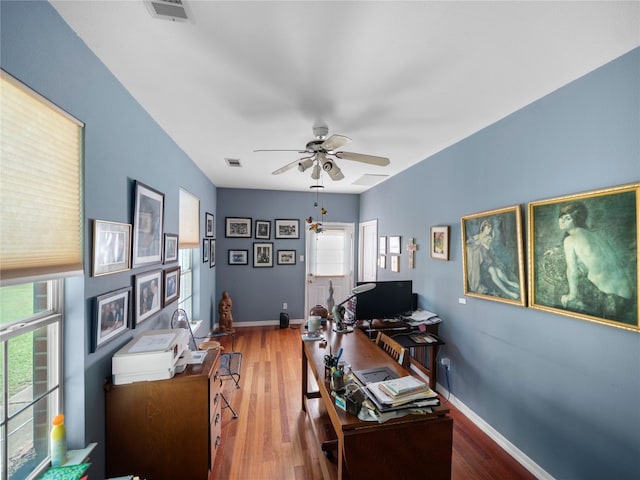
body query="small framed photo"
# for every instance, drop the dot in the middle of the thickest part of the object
(111, 247)
(111, 315)
(208, 224)
(238, 257)
(171, 285)
(205, 250)
(440, 242)
(395, 263)
(148, 218)
(237, 227)
(394, 245)
(212, 253)
(286, 257)
(382, 245)
(287, 228)
(148, 292)
(170, 247)
(263, 229)
(262, 254)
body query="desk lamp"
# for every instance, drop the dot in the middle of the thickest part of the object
(338, 310)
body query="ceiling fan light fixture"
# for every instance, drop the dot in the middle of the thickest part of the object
(305, 164)
(315, 174)
(332, 170)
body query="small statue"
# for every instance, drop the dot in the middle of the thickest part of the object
(224, 312)
(330, 301)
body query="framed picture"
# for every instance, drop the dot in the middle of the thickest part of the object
(263, 254)
(440, 242)
(111, 247)
(286, 257)
(171, 285)
(111, 315)
(238, 257)
(147, 225)
(394, 245)
(395, 263)
(382, 245)
(208, 224)
(170, 248)
(493, 262)
(382, 261)
(237, 227)
(205, 250)
(148, 292)
(212, 253)
(263, 229)
(287, 228)
(583, 256)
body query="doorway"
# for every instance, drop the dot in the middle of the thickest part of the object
(329, 264)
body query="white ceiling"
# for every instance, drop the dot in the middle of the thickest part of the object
(403, 80)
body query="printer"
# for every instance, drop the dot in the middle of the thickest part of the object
(151, 355)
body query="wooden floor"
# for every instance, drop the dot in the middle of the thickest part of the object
(271, 438)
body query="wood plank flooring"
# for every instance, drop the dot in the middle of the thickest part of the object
(272, 440)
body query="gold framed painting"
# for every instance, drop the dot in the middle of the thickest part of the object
(583, 256)
(492, 255)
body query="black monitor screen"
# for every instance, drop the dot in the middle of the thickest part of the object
(387, 300)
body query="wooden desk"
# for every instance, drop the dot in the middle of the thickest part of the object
(412, 446)
(424, 353)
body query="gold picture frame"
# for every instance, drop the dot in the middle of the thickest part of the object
(493, 257)
(583, 256)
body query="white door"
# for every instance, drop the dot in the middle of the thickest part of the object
(329, 265)
(368, 251)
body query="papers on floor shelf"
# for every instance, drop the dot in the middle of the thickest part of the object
(423, 317)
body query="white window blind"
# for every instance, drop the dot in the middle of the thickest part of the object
(189, 236)
(40, 185)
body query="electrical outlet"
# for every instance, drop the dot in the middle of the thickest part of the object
(285, 306)
(446, 362)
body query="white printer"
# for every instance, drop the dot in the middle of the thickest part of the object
(151, 355)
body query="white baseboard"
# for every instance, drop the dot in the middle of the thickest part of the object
(505, 444)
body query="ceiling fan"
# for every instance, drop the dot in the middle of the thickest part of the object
(320, 153)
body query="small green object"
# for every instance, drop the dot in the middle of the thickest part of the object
(66, 472)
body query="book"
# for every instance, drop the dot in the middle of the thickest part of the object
(404, 385)
(384, 403)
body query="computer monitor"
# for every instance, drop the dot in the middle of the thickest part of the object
(388, 300)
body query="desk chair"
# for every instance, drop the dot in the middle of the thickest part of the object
(399, 353)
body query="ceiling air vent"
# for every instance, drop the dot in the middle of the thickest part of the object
(233, 162)
(174, 10)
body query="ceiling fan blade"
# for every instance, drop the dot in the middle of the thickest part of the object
(335, 141)
(280, 150)
(361, 157)
(288, 166)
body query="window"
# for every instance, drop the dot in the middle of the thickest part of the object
(186, 281)
(40, 242)
(329, 259)
(30, 362)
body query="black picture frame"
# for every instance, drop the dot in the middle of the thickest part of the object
(148, 225)
(171, 287)
(112, 314)
(263, 229)
(170, 248)
(148, 295)
(287, 228)
(286, 257)
(238, 257)
(205, 250)
(237, 227)
(212, 253)
(262, 254)
(209, 224)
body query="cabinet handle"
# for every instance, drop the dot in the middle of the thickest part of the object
(217, 419)
(215, 375)
(217, 441)
(216, 399)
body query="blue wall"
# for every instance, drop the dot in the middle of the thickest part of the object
(122, 144)
(565, 391)
(258, 293)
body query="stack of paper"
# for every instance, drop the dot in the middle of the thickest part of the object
(403, 392)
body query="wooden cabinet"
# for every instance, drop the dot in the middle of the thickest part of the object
(166, 429)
